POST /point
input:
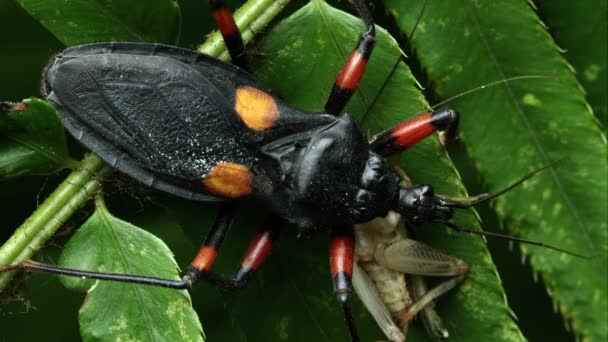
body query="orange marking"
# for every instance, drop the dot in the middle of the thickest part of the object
(225, 21)
(229, 180)
(257, 109)
(205, 258)
(352, 71)
(413, 130)
(341, 249)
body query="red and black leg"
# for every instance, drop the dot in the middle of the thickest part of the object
(341, 259)
(206, 255)
(408, 132)
(230, 32)
(352, 71)
(257, 252)
(411, 131)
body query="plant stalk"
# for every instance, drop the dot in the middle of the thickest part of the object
(70, 195)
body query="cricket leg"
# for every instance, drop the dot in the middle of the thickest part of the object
(415, 258)
(433, 324)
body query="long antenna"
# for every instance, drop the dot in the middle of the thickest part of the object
(467, 202)
(418, 19)
(510, 238)
(488, 85)
(396, 64)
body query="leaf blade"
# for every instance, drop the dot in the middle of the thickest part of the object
(525, 125)
(584, 45)
(33, 141)
(127, 311)
(93, 21)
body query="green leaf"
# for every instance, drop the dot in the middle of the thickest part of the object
(183, 225)
(85, 21)
(32, 141)
(301, 58)
(510, 129)
(125, 312)
(580, 28)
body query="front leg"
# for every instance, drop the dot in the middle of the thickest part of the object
(411, 131)
(341, 250)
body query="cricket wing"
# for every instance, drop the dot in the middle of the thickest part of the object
(413, 257)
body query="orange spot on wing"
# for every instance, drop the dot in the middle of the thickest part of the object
(257, 109)
(229, 180)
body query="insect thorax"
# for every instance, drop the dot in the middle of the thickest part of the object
(332, 178)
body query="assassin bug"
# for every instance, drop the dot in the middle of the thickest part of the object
(231, 170)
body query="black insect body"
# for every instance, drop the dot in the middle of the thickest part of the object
(315, 170)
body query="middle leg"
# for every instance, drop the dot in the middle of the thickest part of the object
(257, 252)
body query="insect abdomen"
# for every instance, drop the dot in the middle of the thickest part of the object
(391, 287)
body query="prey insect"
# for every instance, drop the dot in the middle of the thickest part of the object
(392, 266)
(389, 276)
(316, 171)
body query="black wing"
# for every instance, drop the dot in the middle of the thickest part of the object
(157, 113)
(161, 114)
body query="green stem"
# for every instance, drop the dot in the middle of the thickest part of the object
(251, 18)
(78, 187)
(83, 183)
